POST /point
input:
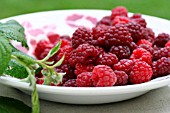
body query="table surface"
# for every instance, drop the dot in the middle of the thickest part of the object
(155, 101)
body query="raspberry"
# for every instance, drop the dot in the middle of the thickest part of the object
(39, 80)
(134, 29)
(53, 38)
(117, 35)
(132, 46)
(167, 44)
(119, 11)
(120, 20)
(80, 36)
(65, 43)
(161, 67)
(162, 39)
(103, 76)
(141, 72)
(108, 59)
(99, 50)
(122, 52)
(124, 65)
(105, 21)
(147, 47)
(85, 54)
(143, 41)
(70, 83)
(148, 34)
(141, 55)
(66, 50)
(163, 52)
(122, 78)
(138, 19)
(84, 80)
(80, 68)
(69, 70)
(42, 49)
(66, 37)
(98, 34)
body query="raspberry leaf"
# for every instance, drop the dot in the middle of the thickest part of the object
(24, 58)
(14, 31)
(5, 54)
(10, 105)
(15, 69)
(52, 51)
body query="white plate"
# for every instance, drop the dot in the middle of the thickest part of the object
(37, 25)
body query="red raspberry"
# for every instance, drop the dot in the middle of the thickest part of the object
(70, 83)
(42, 49)
(143, 41)
(122, 52)
(117, 35)
(148, 34)
(119, 11)
(39, 80)
(138, 19)
(81, 36)
(98, 34)
(134, 29)
(85, 54)
(141, 72)
(105, 21)
(84, 80)
(132, 46)
(163, 52)
(122, 78)
(66, 50)
(167, 44)
(161, 67)
(141, 55)
(53, 38)
(108, 59)
(80, 68)
(65, 43)
(103, 76)
(69, 70)
(124, 65)
(100, 50)
(120, 20)
(162, 39)
(147, 47)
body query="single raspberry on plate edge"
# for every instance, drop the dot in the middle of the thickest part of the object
(84, 80)
(161, 67)
(140, 73)
(122, 78)
(103, 76)
(161, 39)
(70, 83)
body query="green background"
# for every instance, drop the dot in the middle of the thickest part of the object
(159, 8)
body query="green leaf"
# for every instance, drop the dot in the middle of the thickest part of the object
(59, 62)
(14, 31)
(15, 69)
(52, 51)
(24, 57)
(5, 54)
(10, 105)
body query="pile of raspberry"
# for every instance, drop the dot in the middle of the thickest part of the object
(119, 50)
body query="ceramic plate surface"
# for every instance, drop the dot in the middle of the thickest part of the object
(64, 22)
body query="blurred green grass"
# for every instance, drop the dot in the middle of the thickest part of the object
(159, 8)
